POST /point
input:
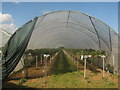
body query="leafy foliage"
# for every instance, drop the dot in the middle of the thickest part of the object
(86, 52)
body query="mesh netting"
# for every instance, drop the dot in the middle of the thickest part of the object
(62, 28)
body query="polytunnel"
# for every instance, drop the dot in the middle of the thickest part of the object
(70, 29)
(4, 37)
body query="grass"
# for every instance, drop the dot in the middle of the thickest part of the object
(62, 64)
(65, 76)
(22, 80)
(71, 80)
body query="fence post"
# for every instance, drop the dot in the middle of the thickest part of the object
(103, 57)
(77, 64)
(103, 67)
(36, 61)
(45, 66)
(113, 63)
(41, 59)
(85, 67)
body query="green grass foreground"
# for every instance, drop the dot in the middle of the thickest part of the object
(73, 80)
(64, 75)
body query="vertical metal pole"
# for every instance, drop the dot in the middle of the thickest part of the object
(41, 59)
(45, 66)
(85, 68)
(113, 60)
(114, 63)
(77, 64)
(36, 61)
(45, 71)
(91, 61)
(50, 58)
(103, 67)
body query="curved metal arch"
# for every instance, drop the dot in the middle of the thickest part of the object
(78, 13)
(73, 44)
(77, 34)
(78, 24)
(56, 42)
(71, 31)
(59, 31)
(96, 32)
(85, 33)
(4, 31)
(92, 32)
(99, 36)
(79, 45)
(68, 27)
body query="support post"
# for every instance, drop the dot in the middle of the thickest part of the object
(50, 60)
(36, 61)
(41, 59)
(85, 68)
(103, 67)
(45, 66)
(113, 60)
(113, 63)
(77, 64)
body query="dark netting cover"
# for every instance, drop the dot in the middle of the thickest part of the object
(4, 36)
(60, 28)
(15, 47)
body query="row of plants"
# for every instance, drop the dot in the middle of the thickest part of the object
(30, 55)
(94, 60)
(41, 51)
(89, 66)
(87, 52)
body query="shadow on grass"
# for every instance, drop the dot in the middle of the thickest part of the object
(29, 77)
(8, 85)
